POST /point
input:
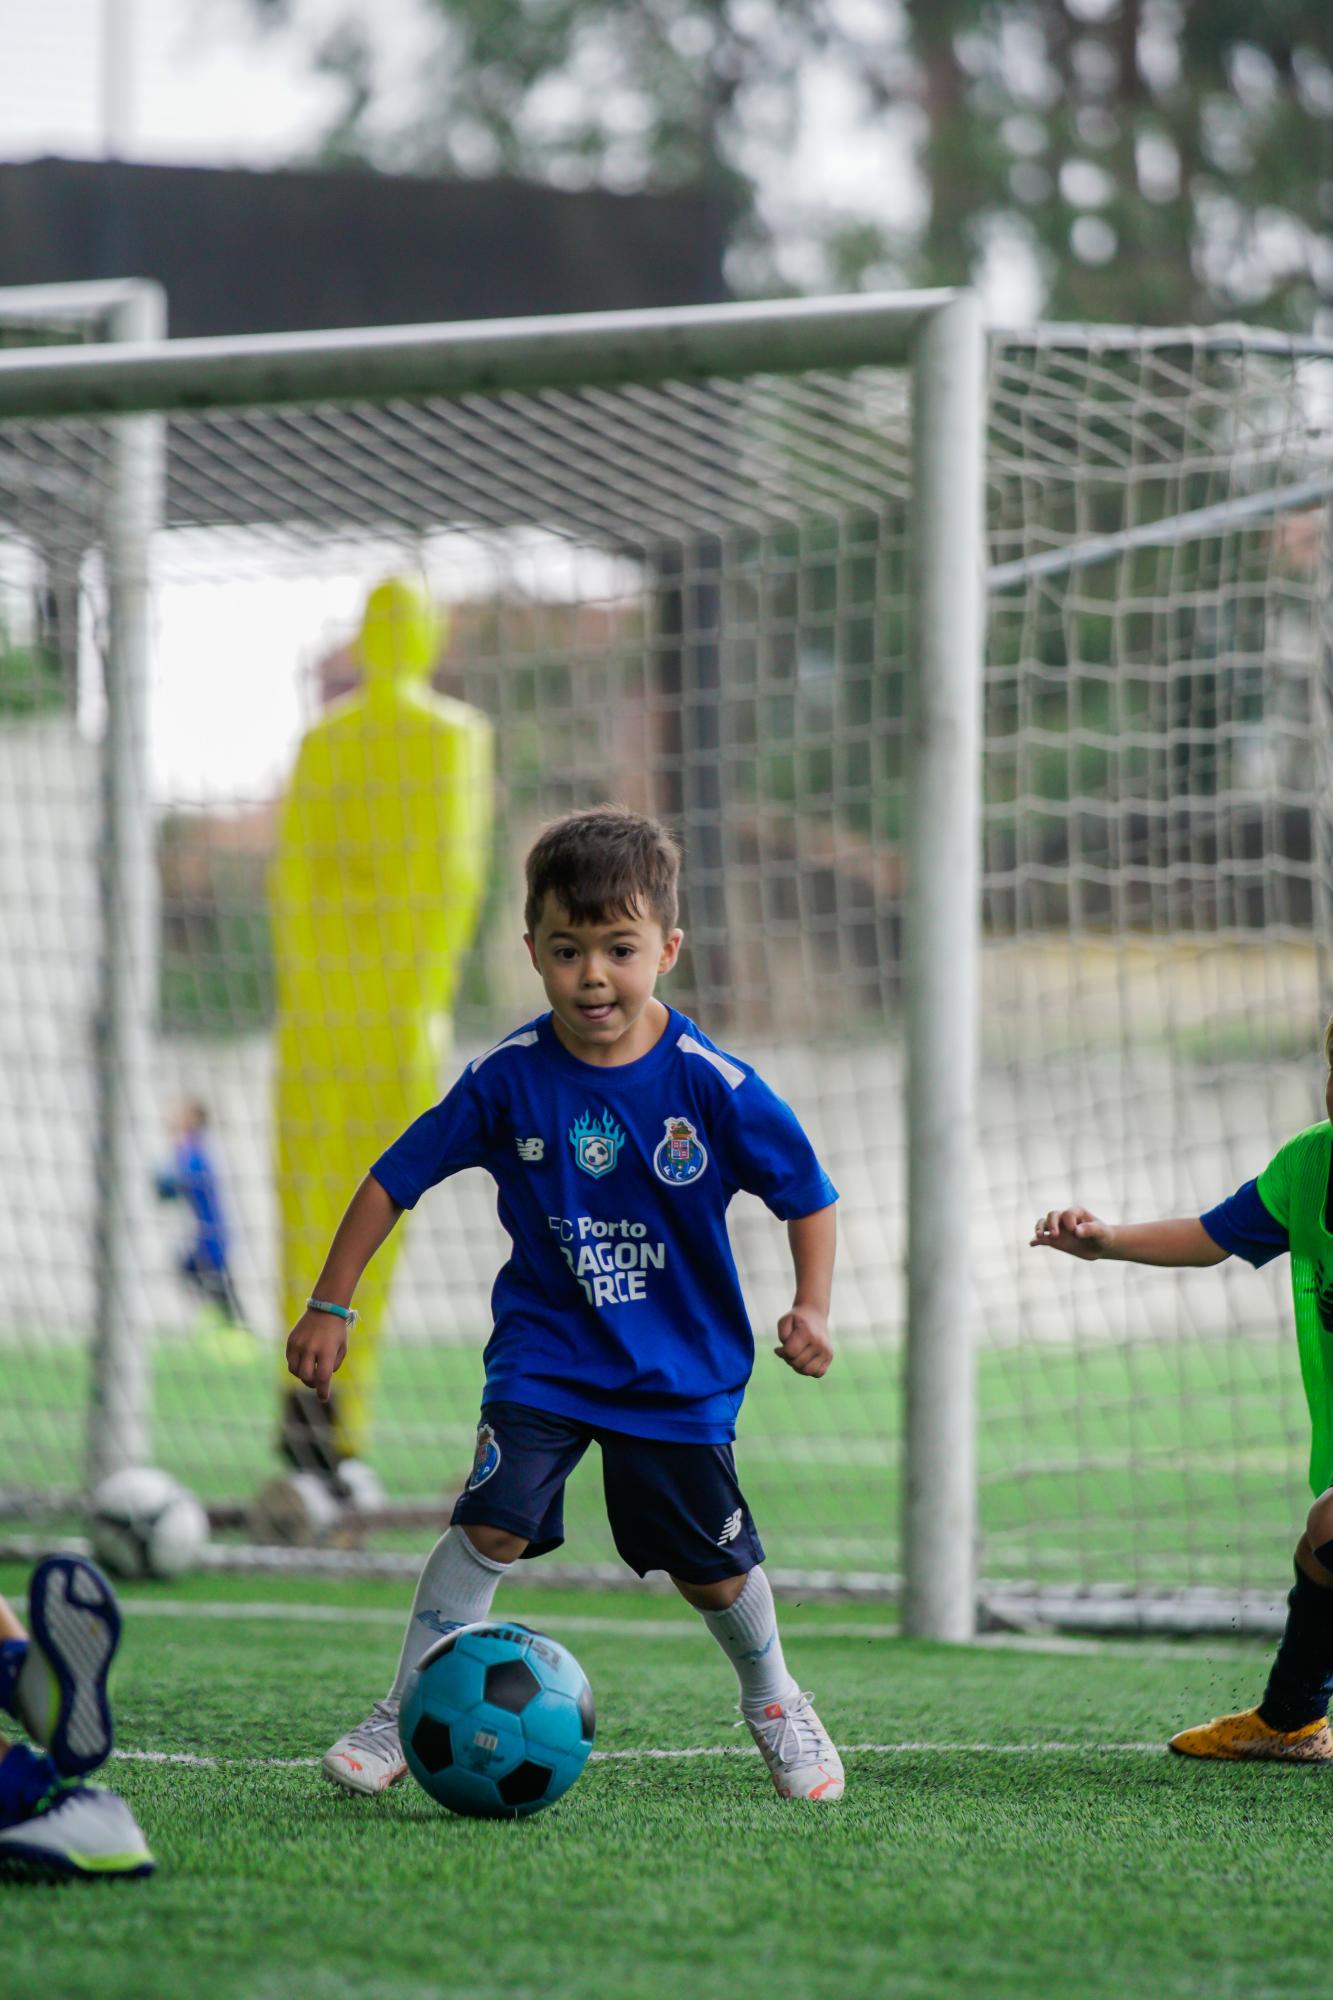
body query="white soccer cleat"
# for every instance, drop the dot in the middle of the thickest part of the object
(797, 1749)
(370, 1757)
(77, 1830)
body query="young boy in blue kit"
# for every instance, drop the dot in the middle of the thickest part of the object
(617, 1135)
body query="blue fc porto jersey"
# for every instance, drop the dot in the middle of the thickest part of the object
(620, 1304)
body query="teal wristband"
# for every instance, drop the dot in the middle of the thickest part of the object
(347, 1313)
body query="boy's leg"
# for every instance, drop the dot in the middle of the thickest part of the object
(799, 1752)
(456, 1585)
(1290, 1725)
(13, 1653)
(511, 1506)
(56, 1682)
(51, 1825)
(230, 1298)
(678, 1507)
(740, 1614)
(62, 1690)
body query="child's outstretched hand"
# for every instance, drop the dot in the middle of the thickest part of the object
(316, 1347)
(1076, 1231)
(803, 1341)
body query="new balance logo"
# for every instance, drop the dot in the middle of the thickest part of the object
(531, 1150)
(731, 1527)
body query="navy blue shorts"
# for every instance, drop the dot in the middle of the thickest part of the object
(671, 1506)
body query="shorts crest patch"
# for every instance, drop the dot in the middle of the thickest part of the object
(680, 1158)
(486, 1458)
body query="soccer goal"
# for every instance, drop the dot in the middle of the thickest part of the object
(726, 564)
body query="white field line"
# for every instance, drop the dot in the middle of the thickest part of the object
(269, 1612)
(650, 1753)
(366, 1614)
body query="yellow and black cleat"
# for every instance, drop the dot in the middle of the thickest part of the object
(1247, 1738)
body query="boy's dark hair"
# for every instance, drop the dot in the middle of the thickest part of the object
(604, 863)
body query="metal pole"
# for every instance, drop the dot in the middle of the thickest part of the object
(117, 82)
(1321, 716)
(942, 929)
(118, 1433)
(475, 357)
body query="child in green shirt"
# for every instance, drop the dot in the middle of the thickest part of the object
(1288, 1207)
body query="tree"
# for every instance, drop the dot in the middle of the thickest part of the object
(1152, 160)
(1165, 160)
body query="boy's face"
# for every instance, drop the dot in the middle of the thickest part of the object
(599, 979)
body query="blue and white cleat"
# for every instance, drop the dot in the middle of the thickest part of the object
(73, 1632)
(76, 1830)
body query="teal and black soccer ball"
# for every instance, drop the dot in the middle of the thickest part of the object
(497, 1721)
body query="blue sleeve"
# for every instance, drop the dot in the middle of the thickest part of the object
(444, 1140)
(765, 1151)
(1243, 1227)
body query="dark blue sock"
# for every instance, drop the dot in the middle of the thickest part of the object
(1298, 1686)
(13, 1652)
(25, 1780)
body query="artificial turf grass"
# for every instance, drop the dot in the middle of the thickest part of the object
(990, 1875)
(1087, 1873)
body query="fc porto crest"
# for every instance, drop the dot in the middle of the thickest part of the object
(597, 1143)
(680, 1158)
(486, 1458)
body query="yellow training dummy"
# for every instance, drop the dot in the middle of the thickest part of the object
(382, 845)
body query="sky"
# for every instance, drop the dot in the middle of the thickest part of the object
(190, 82)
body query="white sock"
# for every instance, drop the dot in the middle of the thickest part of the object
(455, 1588)
(747, 1632)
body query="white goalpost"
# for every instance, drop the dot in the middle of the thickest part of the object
(987, 680)
(935, 336)
(119, 515)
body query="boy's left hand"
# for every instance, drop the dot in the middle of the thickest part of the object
(803, 1341)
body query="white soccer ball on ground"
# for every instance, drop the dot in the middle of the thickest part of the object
(296, 1510)
(145, 1523)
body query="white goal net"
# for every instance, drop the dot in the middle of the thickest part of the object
(1155, 953)
(691, 593)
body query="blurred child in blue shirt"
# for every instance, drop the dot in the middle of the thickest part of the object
(193, 1178)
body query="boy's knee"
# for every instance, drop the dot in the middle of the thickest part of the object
(497, 1544)
(1314, 1551)
(1319, 1520)
(719, 1596)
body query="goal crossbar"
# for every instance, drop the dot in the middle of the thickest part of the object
(476, 357)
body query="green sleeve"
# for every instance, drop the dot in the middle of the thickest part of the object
(1274, 1183)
